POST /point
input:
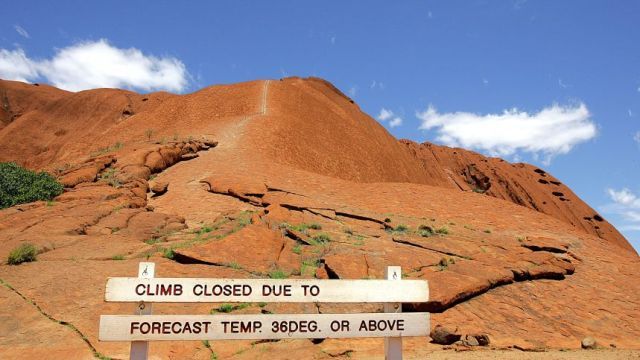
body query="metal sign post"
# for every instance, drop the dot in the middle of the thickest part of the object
(140, 349)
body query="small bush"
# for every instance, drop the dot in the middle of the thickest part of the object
(442, 230)
(321, 238)
(302, 227)
(277, 274)
(149, 134)
(444, 263)
(110, 176)
(425, 233)
(225, 308)
(168, 253)
(23, 253)
(19, 185)
(487, 231)
(117, 257)
(153, 240)
(425, 230)
(297, 249)
(308, 267)
(401, 228)
(243, 220)
(108, 149)
(204, 229)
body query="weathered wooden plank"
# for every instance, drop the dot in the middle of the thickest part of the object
(264, 290)
(276, 326)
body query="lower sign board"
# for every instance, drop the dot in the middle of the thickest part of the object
(253, 327)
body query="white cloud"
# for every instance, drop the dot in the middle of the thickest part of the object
(14, 65)
(353, 91)
(396, 121)
(375, 84)
(97, 64)
(20, 30)
(562, 84)
(551, 131)
(636, 137)
(485, 81)
(393, 119)
(627, 205)
(518, 4)
(384, 115)
(333, 40)
(624, 197)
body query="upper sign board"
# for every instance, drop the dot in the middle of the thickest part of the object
(265, 290)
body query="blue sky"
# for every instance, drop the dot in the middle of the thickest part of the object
(570, 68)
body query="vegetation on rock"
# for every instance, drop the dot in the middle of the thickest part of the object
(23, 253)
(19, 185)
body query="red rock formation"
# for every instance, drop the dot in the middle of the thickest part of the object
(520, 183)
(240, 173)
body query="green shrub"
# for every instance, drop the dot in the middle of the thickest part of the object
(400, 229)
(302, 227)
(204, 229)
(425, 230)
(19, 185)
(108, 149)
(110, 176)
(321, 239)
(149, 134)
(444, 263)
(168, 253)
(23, 253)
(278, 274)
(442, 230)
(225, 308)
(425, 233)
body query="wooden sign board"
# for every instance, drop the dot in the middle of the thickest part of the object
(265, 290)
(253, 327)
